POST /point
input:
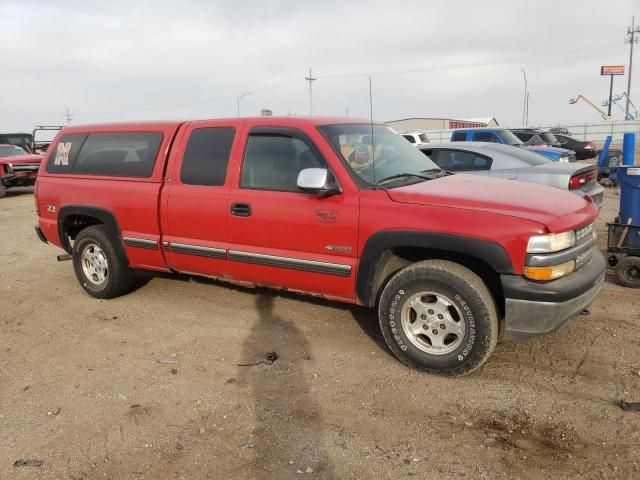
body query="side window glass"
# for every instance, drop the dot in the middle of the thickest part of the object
(130, 154)
(273, 162)
(459, 137)
(207, 156)
(410, 138)
(485, 137)
(525, 137)
(481, 163)
(64, 153)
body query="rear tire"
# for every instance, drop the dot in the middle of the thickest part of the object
(628, 271)
(3, 191)
(99, 269)
(439, 317)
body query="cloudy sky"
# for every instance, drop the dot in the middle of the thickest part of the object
(136, 60)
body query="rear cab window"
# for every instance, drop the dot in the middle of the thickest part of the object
(459, 137)
(118, 154)
(485, 137)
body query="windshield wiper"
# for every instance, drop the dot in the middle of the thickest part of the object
(402, 175)
(436, 172)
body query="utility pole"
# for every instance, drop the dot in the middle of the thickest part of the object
(524, 100)
(69, 116)
(310, 79)
(526, 120)
(632, 38)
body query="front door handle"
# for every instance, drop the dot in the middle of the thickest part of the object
(241, 209)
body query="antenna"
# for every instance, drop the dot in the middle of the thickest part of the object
(310, 79)
(68, 115)
(373, 143)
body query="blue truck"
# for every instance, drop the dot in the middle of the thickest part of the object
(507, 137)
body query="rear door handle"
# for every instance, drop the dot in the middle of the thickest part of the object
(241, 209)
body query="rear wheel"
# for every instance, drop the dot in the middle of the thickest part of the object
(99, 269)
(439, 316)
(3, 191)
(628, 271)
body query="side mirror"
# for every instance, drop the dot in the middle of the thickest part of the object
(317, 181)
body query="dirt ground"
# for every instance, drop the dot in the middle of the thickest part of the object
(147, 386)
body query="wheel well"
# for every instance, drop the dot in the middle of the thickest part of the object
(393, 260)
(73, 224)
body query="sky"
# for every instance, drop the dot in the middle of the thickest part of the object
(146, 60)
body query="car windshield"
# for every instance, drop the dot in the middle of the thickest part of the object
(509, 138)
(526, 156)
(11, 151)
(378, 155)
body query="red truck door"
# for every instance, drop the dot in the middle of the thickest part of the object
(194, 202)
(281, 236)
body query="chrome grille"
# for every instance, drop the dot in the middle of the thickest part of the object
(583, 233)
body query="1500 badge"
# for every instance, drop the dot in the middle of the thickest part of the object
(338, 248)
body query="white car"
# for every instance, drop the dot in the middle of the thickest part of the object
(416, 138)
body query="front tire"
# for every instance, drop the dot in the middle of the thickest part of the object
(99, 269)
(439, 317)
(3, 191)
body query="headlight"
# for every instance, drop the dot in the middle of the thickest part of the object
(9, 168)
(549, 273)
(564, 159)
(553, 242)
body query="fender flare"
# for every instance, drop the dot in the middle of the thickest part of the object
(487, 251)
(104, 216)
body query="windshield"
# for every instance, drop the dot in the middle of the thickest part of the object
(549, 138)
(378, 157)
(509, 138)
(526, 156)
(11, 151)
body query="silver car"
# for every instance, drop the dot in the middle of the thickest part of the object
(513, 163)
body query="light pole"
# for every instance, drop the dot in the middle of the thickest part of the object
(524, 100)
(240, 98)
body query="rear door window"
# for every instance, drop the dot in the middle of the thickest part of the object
(207, 156)
(459, 137)
(131, 154)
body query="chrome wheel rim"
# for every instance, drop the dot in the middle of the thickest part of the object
(94, 264)
(433, 323)
(632, 273)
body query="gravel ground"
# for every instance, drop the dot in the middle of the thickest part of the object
(147, 386)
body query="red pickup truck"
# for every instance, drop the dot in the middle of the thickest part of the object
(343, 209)
(17, 168)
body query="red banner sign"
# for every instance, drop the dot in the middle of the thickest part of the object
(612, 70)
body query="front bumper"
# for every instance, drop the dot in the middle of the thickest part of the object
(12, 180)
(535, 308)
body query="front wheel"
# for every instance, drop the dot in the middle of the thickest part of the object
(439, 316)
(99, 269)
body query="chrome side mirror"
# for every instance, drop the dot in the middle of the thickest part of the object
(317, 181)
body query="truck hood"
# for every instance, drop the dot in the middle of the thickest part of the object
(21, 159)
(556, 209)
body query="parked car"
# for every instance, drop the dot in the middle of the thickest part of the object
(451, 262)
(532, 136)
(513, 163)
(584, 150)
(17, 168)
(506, 137)
(416, 138)
(561, 130)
